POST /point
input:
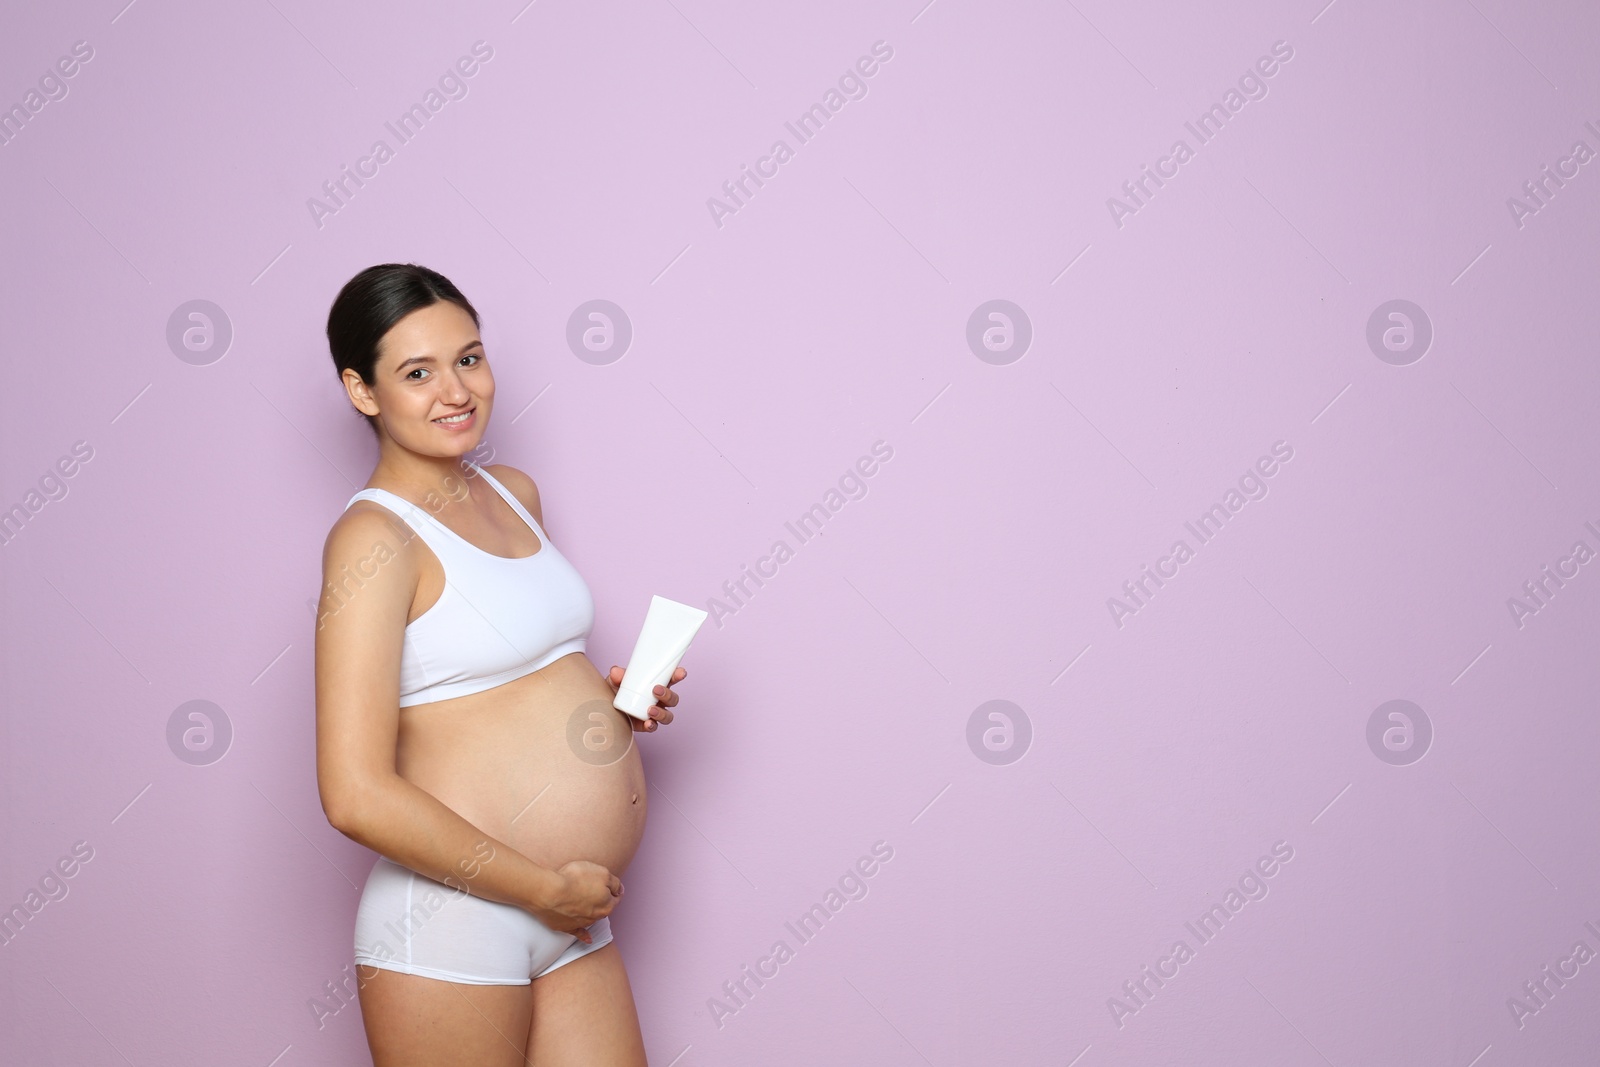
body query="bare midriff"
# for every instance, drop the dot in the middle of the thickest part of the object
(543, 763)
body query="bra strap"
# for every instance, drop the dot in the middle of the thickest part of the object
(408, 513)
(510, 498)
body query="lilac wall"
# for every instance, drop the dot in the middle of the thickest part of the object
(1354, 322)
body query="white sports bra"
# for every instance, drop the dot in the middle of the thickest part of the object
(497, 619)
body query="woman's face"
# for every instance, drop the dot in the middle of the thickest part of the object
(431, 366)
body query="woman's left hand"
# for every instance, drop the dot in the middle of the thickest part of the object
(665, 699)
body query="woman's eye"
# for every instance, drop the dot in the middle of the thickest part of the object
(476, 357)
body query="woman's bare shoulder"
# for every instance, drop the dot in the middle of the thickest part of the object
(520, 485)
(364, 525)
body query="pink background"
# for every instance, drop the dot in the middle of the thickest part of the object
(1167, 752)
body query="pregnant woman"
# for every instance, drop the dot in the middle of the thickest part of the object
(451, 681)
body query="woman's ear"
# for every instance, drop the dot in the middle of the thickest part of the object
(359, 392)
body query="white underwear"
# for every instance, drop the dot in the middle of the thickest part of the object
(408, 922)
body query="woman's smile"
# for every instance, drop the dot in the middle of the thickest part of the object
(461, 420)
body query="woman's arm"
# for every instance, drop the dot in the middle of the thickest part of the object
(360, 627)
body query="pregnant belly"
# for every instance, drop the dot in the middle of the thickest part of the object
(543, 763)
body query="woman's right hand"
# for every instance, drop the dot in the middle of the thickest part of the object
(586, 893)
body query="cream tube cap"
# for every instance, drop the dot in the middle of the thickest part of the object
(634, 702)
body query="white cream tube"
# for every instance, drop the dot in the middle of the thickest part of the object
(668, 628)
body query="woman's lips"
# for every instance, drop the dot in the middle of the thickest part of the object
(471, 417)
